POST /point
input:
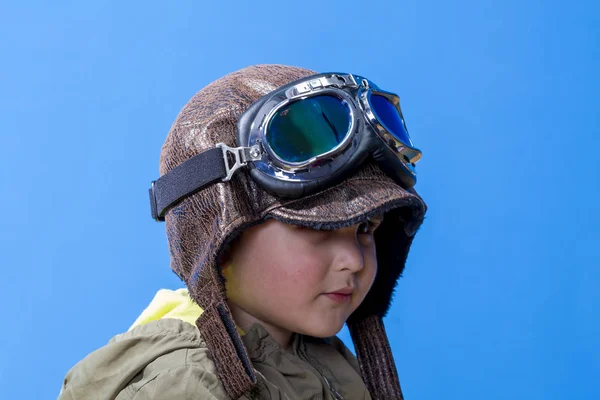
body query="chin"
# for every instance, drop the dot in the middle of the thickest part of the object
(324, 330)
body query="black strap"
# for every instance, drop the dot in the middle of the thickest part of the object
(188, 177)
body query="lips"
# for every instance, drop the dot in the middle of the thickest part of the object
(346, 290)
(341, 296)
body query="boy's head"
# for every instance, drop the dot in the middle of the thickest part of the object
(286, 252)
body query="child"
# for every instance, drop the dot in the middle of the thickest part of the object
(289, 211)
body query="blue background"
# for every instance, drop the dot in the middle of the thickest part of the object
(500, 298)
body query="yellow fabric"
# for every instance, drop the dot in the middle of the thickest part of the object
(170, 304)
(175, 304)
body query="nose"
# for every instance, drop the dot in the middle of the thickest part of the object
(348, 250)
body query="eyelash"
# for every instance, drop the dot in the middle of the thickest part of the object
(371, 225)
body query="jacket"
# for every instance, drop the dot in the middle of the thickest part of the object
(163, 356)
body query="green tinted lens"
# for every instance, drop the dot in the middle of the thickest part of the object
(307, 128)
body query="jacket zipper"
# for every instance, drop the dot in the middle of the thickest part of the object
(336, 395)
(334, 392)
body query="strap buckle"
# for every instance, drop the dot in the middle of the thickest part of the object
(153, 206)
(242, 156)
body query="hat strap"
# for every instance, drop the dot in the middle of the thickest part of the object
(234, 367)
(375, 358)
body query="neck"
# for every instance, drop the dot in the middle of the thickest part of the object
(245, 320)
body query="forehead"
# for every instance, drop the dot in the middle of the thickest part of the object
(274, 231)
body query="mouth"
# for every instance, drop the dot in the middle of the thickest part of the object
(341, 296)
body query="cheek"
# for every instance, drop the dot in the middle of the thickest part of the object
(295, 278)
(282, 273)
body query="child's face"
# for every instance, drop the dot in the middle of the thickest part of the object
(284, 276)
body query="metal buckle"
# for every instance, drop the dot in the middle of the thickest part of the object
(243, 155)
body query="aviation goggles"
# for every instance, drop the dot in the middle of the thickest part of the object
(300, 139)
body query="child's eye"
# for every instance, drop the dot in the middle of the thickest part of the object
(363, 228)
(367, 228)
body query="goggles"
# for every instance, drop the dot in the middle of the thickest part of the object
(301, 139)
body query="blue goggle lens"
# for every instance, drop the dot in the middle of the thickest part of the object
(388, 115)
(309, 127)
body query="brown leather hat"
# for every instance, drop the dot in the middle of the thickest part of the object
(199, 227)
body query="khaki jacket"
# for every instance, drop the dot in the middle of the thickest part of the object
(167, 359)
